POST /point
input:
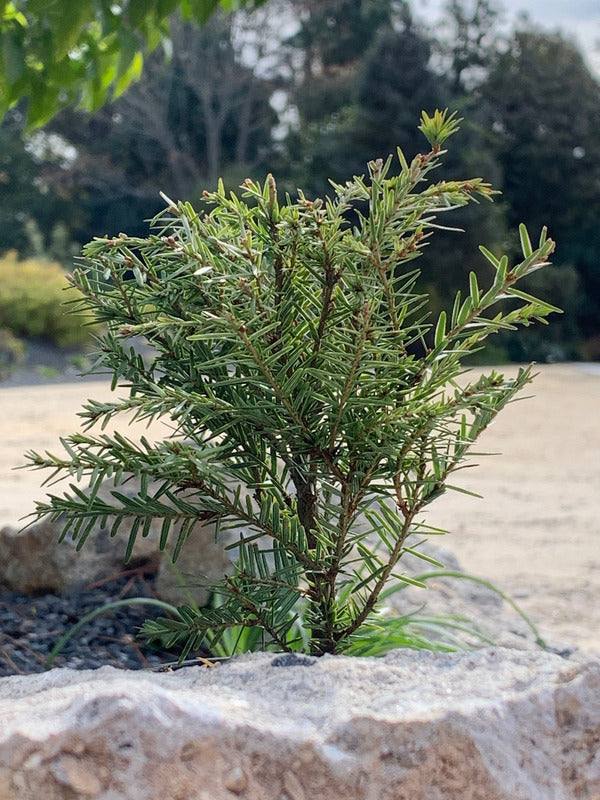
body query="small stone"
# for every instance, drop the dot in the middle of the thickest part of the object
(73, 773)
(236, 780)
(33, 762)
(293, 660)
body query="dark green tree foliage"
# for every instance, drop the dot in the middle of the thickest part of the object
(389, 87)
(395, 83)
(330, 44)
(333, 33)
(466, 48)
(546, 117)
(284, 359)
(29, 207)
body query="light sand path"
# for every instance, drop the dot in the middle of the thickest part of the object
(33, 418)
(536, 533)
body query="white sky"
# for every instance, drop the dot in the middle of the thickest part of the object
(579, 18)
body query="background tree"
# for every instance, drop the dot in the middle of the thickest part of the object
(347, 83)
(395, 79)
(33, 218)
(328, 48)
(354, 107)
(545, 108)
(392, 82)
(188, 120)
(463, 52)
(470, 40)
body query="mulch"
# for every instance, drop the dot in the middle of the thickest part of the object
(30, 627)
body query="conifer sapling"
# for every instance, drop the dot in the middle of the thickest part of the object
(313, 398)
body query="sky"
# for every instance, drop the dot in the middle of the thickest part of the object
(579, 18)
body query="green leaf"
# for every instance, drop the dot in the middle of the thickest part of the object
(423, 556)
(440, 330)
(13, 57)
(466, 309)
(490, 256)
(409, 581)
(43, 104)
(439, 127)
(128, 47)
(456, 309)
(165, 7)
(198, 10)
(502, 270)
(138, 10)
(68, 19)
(474, 289)
(547, 308)
(525, 241)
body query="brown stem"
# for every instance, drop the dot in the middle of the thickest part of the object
(385, 574)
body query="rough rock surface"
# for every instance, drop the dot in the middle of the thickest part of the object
(200, 556)
(33, 561)
(488, 725)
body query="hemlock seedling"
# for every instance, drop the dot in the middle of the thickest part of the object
(315, 400)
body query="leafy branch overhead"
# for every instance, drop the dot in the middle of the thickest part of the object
(60, 52)
(315, 402)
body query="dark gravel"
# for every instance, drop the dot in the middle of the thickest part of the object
(30, 627)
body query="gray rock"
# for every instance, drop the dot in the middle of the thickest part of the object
(33, 561)
(490, 725)
(202, 557)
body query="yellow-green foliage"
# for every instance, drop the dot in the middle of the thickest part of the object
(11, 352)
(32, 297)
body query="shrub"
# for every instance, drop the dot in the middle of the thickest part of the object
(32, 301)
(12, 352)
(291, 357)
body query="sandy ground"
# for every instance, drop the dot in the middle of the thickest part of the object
(535, 533)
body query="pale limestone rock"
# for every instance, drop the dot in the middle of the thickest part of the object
(487, 725)
(33, 561)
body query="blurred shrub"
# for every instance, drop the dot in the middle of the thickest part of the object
(12, 352)
(32, 297)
